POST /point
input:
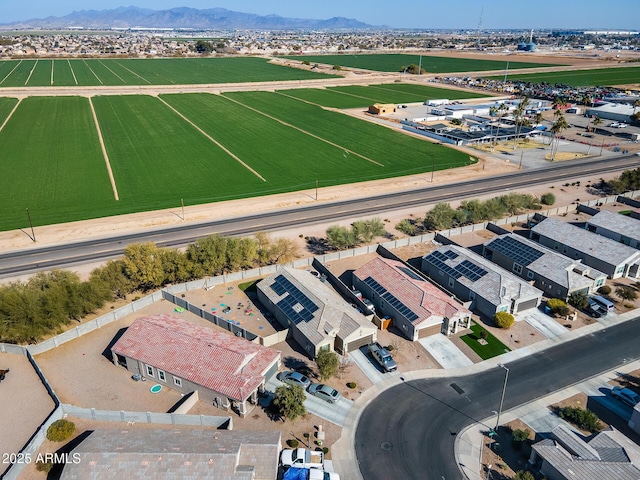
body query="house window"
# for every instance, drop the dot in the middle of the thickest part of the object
(451, 282)
(517, 268)
(177, 381)
(161, 375)
(149, 370)
(530, 275)
(620, 269)
(600, 282)
(503, 308)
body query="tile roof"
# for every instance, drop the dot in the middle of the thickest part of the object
(176, 454)
(622, 224)
(420, 296)
(331, 315)
(591, 244)
(216, 360)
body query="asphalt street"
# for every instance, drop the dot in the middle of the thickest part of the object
(409, 430)
(60, 256)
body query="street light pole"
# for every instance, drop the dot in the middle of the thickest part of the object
(504, 389)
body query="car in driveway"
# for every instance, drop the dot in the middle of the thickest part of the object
(324, 392)
(625, 395)
(295, 378)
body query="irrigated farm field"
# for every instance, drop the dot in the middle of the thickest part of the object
(583, 78)
(166, 71)
(358, 96)
(6, 105)
(197, 147)
(396, 62)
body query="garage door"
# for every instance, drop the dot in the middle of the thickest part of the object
(428, 331)
(356, 344)
(527, 305)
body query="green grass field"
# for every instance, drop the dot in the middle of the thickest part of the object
(6, 105)
(165, 71)
(359, 96)
(583, 78)
(55, 167)
(395, 62)
(52, 164)
(493, 348)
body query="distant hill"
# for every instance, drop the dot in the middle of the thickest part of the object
(183, 17)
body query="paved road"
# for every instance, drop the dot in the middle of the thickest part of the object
(35, 259)
(409, 430)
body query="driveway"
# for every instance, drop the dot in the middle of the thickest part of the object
(445, 352)
(334, 413)
(542, 322)
(368, 366)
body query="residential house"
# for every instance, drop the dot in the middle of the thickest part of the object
(566, 456)
(473, 278)
(418, 308)
(607, 255)
(225, 370)
(168, 454)
(317, 317)
(621, 228)
(556, 275)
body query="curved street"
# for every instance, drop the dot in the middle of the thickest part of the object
(409, 430)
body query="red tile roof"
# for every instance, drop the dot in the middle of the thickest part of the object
(219, 361)
(421, 296)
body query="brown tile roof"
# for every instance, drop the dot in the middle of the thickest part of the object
(421, 296)
(219, 361)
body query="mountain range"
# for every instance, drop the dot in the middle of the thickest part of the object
(184, 18)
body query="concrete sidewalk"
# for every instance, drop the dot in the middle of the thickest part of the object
(468, 443)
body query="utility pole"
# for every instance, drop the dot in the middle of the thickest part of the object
(182, 202)
(504, 389)
(33, 233)
(316, 190)
(521, 154)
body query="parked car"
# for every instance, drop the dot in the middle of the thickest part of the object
(295, 378)
(302, 458)
(382, 356)
(325, 392)
(625, 395)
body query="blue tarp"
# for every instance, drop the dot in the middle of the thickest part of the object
(296, 474)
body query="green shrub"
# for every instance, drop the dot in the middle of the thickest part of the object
(325, 450)
(578, 300)
(60, 430)
(605, 290)
(548, 198)
(352, 385)
(518, 436)
(407, 227)
(503, 320)
(293, 443)
(43, 466)
(327, 364)
(558, 306)
(585, 419)
(524, 475)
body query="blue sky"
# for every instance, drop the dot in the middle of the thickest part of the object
(463, 14)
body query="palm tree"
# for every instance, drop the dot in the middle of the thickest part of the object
(518, 114)
(558, 127)
(493, 111)
(597, 121)
(502, 111)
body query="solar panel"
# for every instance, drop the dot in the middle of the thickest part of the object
(410, 273)
(305, 306)
(517, 251)
(464, 269)
(391, 299)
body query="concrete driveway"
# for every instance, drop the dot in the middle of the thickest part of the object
(542, 322)
(369, 367)
(445, 352)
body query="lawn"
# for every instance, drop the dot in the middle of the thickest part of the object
(153, 71)
(396, 62)
(493, 348)
(51, 163)
(583, 78)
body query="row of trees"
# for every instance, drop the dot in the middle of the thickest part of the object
(42, 305)
(443, 216)
(629, 180)
(361, 231)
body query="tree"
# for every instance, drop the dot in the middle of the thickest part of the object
(289, 400)
(439, 217)
(176, 265)
(341, 237)
(202, 46)
(559, 126)
(113, 275)
(626, 293)
(143, 265)
(327, 364)
(548, 198)
(407, 227)
(366, 230)
(518, 115)
(578, 300)
(503, 320)
(597, 121)
(208, 256)
(524, 475)
(414, 69)
(60, 430)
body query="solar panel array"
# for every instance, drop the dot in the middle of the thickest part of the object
(391, 299)
(517, 251)
(464, 269)
(304, 312)
(410, 273)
